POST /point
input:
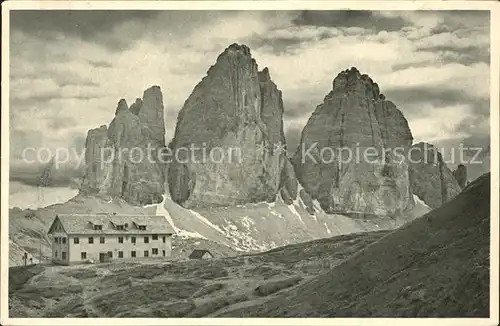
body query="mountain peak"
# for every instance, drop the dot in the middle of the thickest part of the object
(352, 79)
(121, 107)
(264, 75)
(235, 47)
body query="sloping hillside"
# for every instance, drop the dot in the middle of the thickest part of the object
(434, 266)
(437, 265)
(263, 226)
(227, 230)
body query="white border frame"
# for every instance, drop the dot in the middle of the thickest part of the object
(494, 8)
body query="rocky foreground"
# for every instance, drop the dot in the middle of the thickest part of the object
(435, 266)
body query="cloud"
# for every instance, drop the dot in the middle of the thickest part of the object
(472, 151)
(351, 18)
(68, 72)
(93, 26)
(100, 64)
(414, 97)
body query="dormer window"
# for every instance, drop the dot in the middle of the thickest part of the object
(121, 226)
(142, 227)
(97, 227)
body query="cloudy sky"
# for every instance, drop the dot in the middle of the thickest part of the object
(68, 69)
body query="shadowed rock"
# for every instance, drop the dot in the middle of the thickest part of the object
(460, 175)
(355, 117)
(122, 160)
(430, 178)
(234, 107)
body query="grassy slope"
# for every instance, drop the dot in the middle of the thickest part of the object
(437, 265)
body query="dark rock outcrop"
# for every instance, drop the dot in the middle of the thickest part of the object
(235, 115)
(122, 160)
(356, 118)
(288, 180)
(430, 178)
(136, 106)
(460, 175)
(151, 116)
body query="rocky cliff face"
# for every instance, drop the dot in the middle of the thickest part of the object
(235, 115)
(355, 117)
(460, 175)
(430, 178)
(122, 160)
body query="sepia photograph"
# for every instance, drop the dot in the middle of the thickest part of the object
(193, 162)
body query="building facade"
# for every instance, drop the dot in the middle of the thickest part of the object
(104, 238)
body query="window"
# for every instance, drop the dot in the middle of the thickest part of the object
(120, 239)
(142, 227)
(56, 254)
(163, 253)
(64, 240)
(146, 239)
(97, 227)
(101, 240)
(83, 255)
(155, 236)
(132, 239)
(76, 240)
(56, 239)
(64, 255)
(91, 239)
(120, 254)
(132, 254)
(164, 239)
(146, 253)
(155, 251)
(110, 254)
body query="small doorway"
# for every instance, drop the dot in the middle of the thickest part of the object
(102, 257)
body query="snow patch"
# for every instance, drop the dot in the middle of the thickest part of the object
(420, 201)
(277, 214)
(327, 228)
(148, 206)
(247, 222)
(294, 212)
(317, 205)
(185, 234)
(243, 240)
